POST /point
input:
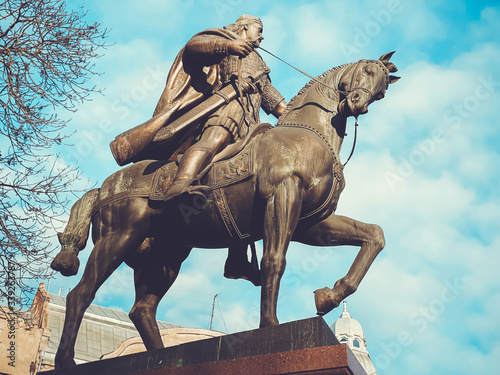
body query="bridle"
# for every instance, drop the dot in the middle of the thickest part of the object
(361, 64)
(354, 81)
(354, 77)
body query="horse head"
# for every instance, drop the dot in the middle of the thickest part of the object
(366, 82)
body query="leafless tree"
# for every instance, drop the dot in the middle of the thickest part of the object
(46, 54)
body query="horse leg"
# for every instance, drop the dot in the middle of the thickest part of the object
(281, 217)
(152, 280)
(108, 253)
(336, 231)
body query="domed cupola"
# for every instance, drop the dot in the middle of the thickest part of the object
(349, 331)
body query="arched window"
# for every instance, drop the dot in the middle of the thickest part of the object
(343, 340)
(356, 343)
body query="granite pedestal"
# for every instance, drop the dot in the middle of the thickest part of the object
(301, 347)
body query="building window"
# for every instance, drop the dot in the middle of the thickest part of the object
(356, 343)
(343, 340)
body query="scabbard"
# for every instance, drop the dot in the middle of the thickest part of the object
(201, 111)
(157, 130)
(191, 118)
(127, 145)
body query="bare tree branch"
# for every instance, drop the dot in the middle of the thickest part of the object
(46, 54)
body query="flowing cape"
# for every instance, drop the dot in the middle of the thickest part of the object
(189, 82)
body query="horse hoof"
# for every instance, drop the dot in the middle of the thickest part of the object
(272, 322)
(66, 262)
(325, 301)
(64, 363)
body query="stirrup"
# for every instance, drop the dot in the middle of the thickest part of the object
(202, 190)
(178, 187)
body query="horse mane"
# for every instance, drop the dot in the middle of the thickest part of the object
(291, 103)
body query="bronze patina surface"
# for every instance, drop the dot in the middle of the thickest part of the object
(283, 186)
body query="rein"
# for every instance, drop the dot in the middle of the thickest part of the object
(301, 71)
(315, 79)
(353, 80)
(354, 142)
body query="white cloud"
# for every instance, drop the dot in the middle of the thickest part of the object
(133, 80)
(314, 34)
(237, 318)
(488, 26)
(421, 24)
(136, 16)
(118, 289)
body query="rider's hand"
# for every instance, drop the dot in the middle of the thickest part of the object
(241, 48)
(247, 86)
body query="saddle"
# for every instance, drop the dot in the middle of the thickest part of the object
(229, 166)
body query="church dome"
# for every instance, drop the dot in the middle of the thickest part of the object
(349, 331)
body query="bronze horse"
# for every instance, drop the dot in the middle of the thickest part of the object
(288, 191)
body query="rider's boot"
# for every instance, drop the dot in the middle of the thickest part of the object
(192, 162)
(238, 267)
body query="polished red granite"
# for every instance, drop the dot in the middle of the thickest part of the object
(328, 360)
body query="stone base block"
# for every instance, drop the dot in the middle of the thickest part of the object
(301, 347)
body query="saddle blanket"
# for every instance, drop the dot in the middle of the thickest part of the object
(222, 175)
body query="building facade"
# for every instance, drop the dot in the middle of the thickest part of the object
(104, 333)
(24, 335)
(31, 338)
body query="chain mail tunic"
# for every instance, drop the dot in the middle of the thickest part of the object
(242, 113)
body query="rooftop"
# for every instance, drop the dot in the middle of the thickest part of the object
(102, 330)
(105, 312)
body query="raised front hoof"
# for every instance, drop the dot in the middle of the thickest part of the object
(66, 262)
(325, 301)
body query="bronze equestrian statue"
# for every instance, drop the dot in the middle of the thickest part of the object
(215, 59)
(280, 184)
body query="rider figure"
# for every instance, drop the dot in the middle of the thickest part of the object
(236, 59)
(232, 52)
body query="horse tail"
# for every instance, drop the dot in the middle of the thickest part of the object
(74, 238)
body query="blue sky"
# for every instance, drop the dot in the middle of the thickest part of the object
(425, 168)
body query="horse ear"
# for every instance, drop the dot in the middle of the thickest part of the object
(385, 58)
(391, 67)
(393, 79)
